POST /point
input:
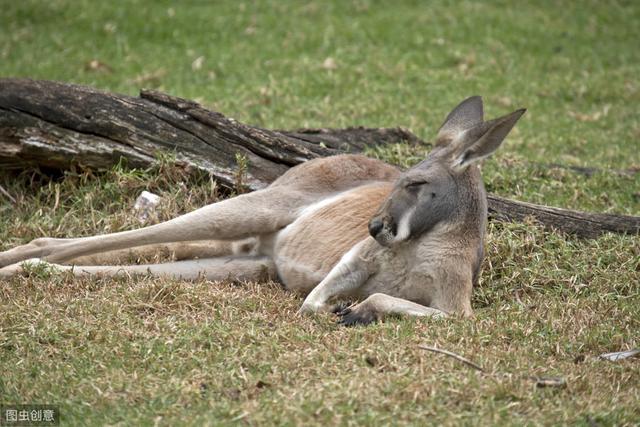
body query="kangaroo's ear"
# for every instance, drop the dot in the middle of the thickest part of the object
(481, 140)
(467, 114)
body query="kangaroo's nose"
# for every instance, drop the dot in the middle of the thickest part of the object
(375, 225)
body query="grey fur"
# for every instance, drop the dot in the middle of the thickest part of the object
(430, 230)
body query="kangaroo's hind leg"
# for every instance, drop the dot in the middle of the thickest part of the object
(166, 252)
(257, 268)
(252, 214)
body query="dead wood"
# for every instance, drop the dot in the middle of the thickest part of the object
(56, 125)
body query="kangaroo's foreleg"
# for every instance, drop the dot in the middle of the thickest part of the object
(345, 278)
(247, 215)
(256, 268)
(378, 306)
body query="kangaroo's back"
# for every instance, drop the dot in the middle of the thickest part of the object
(336, 173)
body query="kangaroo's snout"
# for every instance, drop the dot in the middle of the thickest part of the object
(375, 226)
(383, 229)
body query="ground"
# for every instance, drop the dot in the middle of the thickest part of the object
(142, 351)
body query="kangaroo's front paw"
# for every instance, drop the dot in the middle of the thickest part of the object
(311, 308)
(341, 306)
(361, 314)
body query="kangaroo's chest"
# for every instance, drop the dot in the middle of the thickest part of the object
(416, 272)
(305, 251)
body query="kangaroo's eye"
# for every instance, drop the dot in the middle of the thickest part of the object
(416, 184)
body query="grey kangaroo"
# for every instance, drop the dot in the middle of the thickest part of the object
(346, 227)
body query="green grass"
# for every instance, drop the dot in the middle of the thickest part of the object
(142, 351)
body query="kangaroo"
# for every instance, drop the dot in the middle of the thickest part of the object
(345, 226)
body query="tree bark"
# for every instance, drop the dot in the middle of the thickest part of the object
(57, 125)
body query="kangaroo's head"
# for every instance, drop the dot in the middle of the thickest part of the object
(445, 188)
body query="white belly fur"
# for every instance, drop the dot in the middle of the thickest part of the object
(305, 251)
(288, 266)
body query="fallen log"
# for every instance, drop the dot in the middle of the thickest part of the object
(58, 125)
(582, 224)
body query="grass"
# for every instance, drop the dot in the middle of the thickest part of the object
(141, 351)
